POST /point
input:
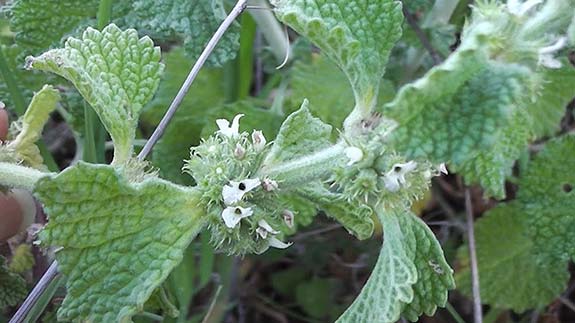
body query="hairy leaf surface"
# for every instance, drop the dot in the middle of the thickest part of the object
(547, 195)
(119, 239)
(508, 270)
(115, 71)
(193, 21)
(39, 24)
(411, 275)
(358, 35)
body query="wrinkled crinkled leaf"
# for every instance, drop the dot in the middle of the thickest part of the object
(467, 112)
(39, 24)
(358, 35)
(451, 124)
(37, 114)
(492, 165)
(434, 276)
(508, 272)
(12, 286)
(193, 21)
(119, 239)
(556, 92)
(301, 134)
(115, 71)
(411, 269)
(547, 195)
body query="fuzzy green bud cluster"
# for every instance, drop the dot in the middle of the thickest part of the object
(245, 214)
(378, 176)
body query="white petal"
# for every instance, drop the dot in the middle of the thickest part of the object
(262, 232)
(263, 224)
(233, 214)
(549, 61)
(396, 176)
(443, 169)
(225, 128)
(391, 183)
(235, 191)
(236, 124)
(354, 154)
(274, 242)
(557, 46)
(259, 140)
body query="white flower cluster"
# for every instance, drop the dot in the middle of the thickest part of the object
(234, 191)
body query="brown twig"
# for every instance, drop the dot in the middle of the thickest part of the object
(477, 310)
(412, 22)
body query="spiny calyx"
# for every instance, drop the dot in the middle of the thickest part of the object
(244, 213)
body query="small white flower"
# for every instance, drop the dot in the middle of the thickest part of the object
(354, 154)
(239, 152)
(288, 218)
(233, 214)
(219, 170)
(259, 140)
(276, 243)
(396, 176)
(264, 228)
(546, 54)
(229, 131)
(235, 191)
(443, 169)
(269, 184)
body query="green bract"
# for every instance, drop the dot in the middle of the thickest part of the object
(357, 35)
(119, 239)
(115, 71)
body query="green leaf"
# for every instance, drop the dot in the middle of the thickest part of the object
(469, 112)
(40, 24)
(546, 192)
(22, 259)
(12, 286)
(115, 71)
(118, 239)
(33, 121)
(434, 276)
(301, 134)
(411, 275)
(358, 35)
(193, 21)
(571, 32)
(556, 92)
(491, 166)
(508, 272)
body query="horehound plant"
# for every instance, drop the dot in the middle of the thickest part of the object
(119, 229)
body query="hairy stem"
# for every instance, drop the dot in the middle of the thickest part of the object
(236, 11)
(19, 176)
(307, 168)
